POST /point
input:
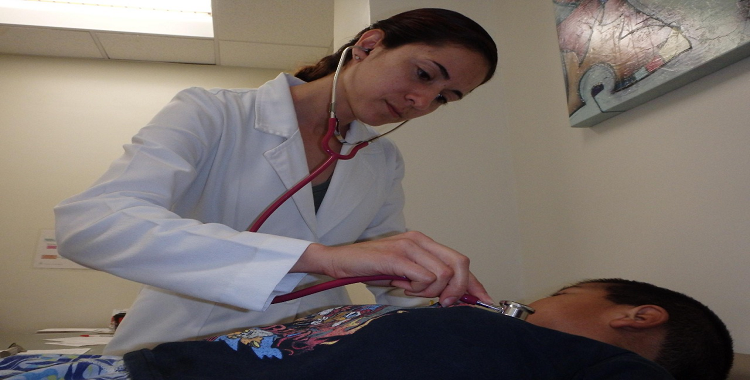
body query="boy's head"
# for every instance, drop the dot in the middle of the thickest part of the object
(670, 328)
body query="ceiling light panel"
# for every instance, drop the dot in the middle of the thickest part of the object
(160, 17)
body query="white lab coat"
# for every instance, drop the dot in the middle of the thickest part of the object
(169, 212)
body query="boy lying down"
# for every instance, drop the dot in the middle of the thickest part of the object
(595, 329)
(600, 329)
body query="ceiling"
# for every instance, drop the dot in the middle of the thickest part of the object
(271, 34)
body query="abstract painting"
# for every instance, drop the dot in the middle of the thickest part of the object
(618, 54)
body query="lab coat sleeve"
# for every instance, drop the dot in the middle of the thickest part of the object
(123, 224)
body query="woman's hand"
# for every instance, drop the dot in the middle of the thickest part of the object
(431, 269)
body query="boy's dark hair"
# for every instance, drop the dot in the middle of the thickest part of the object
(697, 344)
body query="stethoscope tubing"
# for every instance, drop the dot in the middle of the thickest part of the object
(333, 284)
(333, 156)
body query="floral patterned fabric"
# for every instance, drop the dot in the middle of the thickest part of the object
(63, 367)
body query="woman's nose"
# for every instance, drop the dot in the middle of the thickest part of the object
(422, 98)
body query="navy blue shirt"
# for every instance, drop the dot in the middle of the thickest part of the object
(380, 342)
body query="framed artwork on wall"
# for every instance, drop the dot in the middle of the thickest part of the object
(618, 54)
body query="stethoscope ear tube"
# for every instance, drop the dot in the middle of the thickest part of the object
(333, 124)
(330, 285)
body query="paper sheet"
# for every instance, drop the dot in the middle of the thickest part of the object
(93, 330)
(58, 351)
(80, 341)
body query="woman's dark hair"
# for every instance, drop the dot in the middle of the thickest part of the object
(430, 26)
(697, 344)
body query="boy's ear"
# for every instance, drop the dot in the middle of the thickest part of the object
(641, 317)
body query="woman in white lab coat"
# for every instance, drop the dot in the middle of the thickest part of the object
(172, 212)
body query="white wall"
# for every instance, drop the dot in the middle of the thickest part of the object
(659, 194)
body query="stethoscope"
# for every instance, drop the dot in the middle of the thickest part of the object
(509, 308)
(325, 143)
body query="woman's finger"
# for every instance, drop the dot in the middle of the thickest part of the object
(432, 269)
(449, 266)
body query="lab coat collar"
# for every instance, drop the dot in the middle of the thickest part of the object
(274, 108)
(350, 184)
(275, 111)
(275, 114)
(351, 180)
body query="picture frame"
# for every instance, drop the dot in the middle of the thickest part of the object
(618, 54)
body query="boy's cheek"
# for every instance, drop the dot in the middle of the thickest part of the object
(540, 318)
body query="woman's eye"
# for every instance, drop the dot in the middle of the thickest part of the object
(441, 99)
(423, 74)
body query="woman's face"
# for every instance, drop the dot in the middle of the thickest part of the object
(393, 85)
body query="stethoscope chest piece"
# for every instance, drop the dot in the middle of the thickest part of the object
(515, 309)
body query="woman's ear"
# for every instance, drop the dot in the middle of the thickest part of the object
(370, 39)
(641, 317)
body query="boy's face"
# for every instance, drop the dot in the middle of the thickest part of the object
(580, 310)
